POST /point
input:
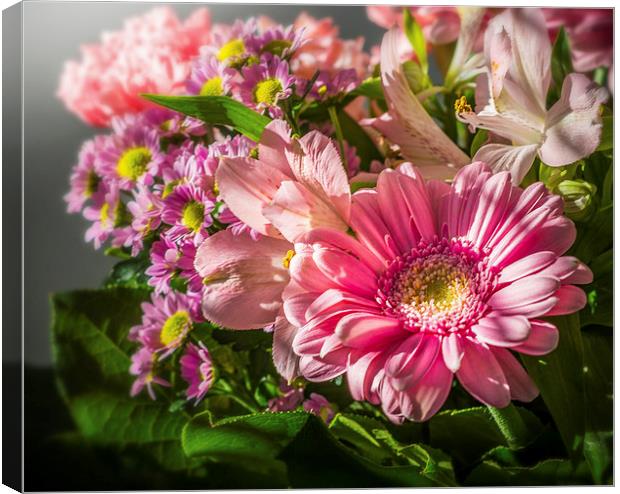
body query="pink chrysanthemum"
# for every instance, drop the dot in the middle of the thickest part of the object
(187, 209)
(276, 40)
(266, 83)
(440, 280)
(145, 208)
(108, 214)
(164, 255)
(197, 370)
(210, 77)
(152, 54)
(166, 321)
(290, 398)
(170, 124)
(142, 365)
(132, 154)
(84, 179)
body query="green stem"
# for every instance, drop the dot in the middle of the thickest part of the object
(333, 115)
(511, 425)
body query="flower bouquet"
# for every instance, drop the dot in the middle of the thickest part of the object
(340, 268)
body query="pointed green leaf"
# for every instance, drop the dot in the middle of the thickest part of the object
(414, 34)
(216, 110)
(561, 63)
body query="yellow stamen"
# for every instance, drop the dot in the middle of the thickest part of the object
(212, 87)
(133, 162)
(461, 105)
(286, 260)
(267, 91)
(193, 215)
(234, 48)
(175, 327)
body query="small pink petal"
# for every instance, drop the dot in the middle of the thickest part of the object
(570, 299)
(452, 351)
(502, 331)
(363, 330)
(542, 340)
(516, 297)
(522, 388)
(285, 360)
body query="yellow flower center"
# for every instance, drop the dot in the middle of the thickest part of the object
(216, 188)
(277, 46)
(193, 215)
(234, 48)
(169, 187)
(175, 327)
(286, 260)
(267, 91)
(119, 216)
(461, 105)
(92, 182)
(104, 213)
(212, 87)
(133, 162)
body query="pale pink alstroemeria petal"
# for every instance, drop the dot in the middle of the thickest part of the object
(426, 144)
(503, 157)
(244, 279)
(574, 122)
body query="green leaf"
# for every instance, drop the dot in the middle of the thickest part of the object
(216, 110)
(607, 135)
(129, 273)
(355, 186)
(469, 433)
(559, 377)
(599, 227)
(561, 64)
(371, 88)
(598, 383)
(356, 136)
(479, 140)
(91, 355)
(414, 34)
(548, 472)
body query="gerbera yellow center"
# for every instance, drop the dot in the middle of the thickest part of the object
(92, 182)
(193, 215)
(286, 260)
(234, 48)
(461, 105)
(133, 162)
(175, 327)
(438, 288)
(212, 87)
(277, 46)
(267, 91)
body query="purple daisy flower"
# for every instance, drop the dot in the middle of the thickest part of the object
(108, 213)
(276, 40)
(132, 154)
(318, 405)
(209, 77)
(165, 255)
(197, 370)
(186, 267)
(84, 179)
(187, 209)
(142, 365)
(192, 165)
(145, 208)
(266, 83)
(166, 321)
(290, 398)
(230, 42)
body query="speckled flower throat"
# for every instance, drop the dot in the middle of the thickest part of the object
(440, 287)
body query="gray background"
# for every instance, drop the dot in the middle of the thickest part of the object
(56, 258)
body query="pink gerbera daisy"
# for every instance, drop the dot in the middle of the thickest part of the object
(197, 370)
(439, 281)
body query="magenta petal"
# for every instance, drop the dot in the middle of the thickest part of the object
(412, 359)
(315, 370)
(363, 330)
(424, 399)
(452, 351)
(522, 387)
(502, 331)
(527, 266)
(522, 294)
(343, 269)
(570, 299)
(244, 279)
(482, 376)
(361, 374)
(542, 340)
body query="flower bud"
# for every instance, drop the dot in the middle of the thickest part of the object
(578, 196)
(551, 176)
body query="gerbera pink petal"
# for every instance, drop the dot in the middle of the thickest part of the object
(244, 279)
(523, 294)
(412, 359)
(543, 339)
(570, 299)
(527, 266)
(482, 376)
(502, 331)
(452, 351)
(522, 388)
(364, 330)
